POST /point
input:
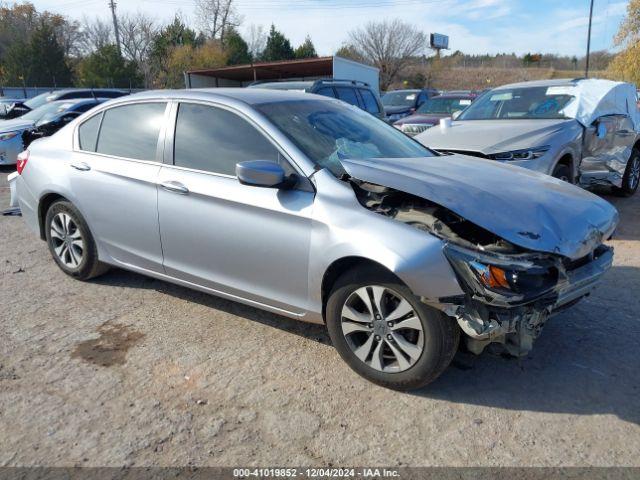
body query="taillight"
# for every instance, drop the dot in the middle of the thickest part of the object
(23, 158)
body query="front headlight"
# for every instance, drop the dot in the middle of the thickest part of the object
(525, 154)
(8, 136)
(515, 279)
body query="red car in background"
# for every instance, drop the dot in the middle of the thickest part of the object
(431, 111)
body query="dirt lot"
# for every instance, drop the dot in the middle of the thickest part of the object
(126, 370)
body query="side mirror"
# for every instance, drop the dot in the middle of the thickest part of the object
(601, 130)
(3, 109)
(261, 173)
(456, 114)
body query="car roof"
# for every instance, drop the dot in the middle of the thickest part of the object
(79, 101)
(78, 90)
(542, 83)
(284, 84)
(250, 96)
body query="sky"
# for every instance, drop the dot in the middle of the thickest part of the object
(473, 26)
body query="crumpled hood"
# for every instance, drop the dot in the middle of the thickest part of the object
(527, 208)
(492, 136)
(14, 125)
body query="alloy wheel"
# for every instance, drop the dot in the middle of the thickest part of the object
(382, 329)
(67, 241)
(634, 174)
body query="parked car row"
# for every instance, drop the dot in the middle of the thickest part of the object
(306, 206)
(22, 121)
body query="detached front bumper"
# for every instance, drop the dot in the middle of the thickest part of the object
(516, 321)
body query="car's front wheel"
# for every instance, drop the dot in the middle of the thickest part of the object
(563, 172)
(385, 333)
(631, 177)
(71, 243)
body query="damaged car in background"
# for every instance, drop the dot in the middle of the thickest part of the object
(320, 213)
(583, 131)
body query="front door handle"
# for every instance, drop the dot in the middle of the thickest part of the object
(83, 167)
(175, 187)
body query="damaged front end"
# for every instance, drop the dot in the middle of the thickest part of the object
(509, 291)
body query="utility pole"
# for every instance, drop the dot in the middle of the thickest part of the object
(586, 69)
(112, 6)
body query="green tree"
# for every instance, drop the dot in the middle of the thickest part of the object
(106, 68)
(306, 50)
(175, 34)
(236, 48)
(278, 47)
(38, 61)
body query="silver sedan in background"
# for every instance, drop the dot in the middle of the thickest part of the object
(310, 208)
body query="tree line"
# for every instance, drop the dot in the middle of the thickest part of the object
(49, 49)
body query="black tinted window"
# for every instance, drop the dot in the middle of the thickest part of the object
(370, 104)
(88, 133)
(132, 131)
(327, 92)
(108, 94)
(85, 108)
(214, 140)
(348, 95)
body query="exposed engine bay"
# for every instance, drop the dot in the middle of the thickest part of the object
(510, 292)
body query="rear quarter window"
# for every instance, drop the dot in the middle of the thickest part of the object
(348, 95)
(370, 102)
(88, 133)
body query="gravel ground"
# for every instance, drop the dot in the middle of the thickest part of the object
(126, 370)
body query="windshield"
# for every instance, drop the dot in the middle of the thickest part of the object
(444, 105)
(520, 103)
(38, 101)
(46, 112)
(328, 131)
(399, 99)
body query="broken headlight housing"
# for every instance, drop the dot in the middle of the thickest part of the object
(503, 279)
(525, 154)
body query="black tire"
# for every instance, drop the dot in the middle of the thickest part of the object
(630, 178)
(440, 338)
(563, 172)
(89, 266)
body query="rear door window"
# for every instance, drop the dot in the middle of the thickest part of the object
(348, 95)
(131, 131)
(370, 103)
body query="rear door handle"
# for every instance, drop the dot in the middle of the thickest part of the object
(175, 187)
(83, 167)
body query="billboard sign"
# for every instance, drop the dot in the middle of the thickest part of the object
(439, 41)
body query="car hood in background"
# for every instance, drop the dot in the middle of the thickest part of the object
(423, 118)
(392, 110)
(529, 209)
(493, 136)
(14, 125)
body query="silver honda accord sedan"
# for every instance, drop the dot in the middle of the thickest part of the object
(311, 208)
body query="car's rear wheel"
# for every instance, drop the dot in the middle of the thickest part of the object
(563, 172)
(71, 243)
(385, 333)
(631, 177)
